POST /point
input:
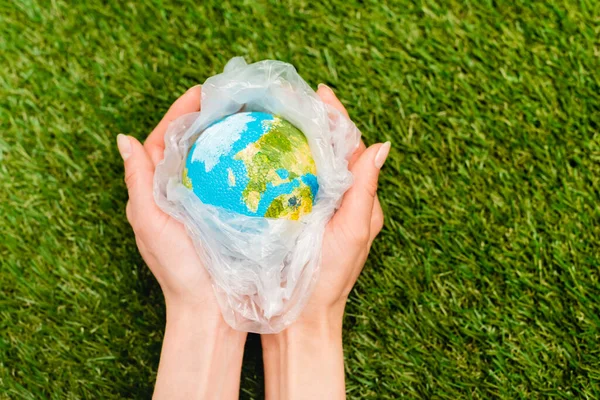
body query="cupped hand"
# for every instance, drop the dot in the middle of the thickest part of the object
(306, 360)
(162, 241)
(201, 355)
(350, 233)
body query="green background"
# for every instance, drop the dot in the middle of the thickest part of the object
(484, 281)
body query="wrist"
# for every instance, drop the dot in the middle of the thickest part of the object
(205, 332)
(179, 313)
(200, 313)
(306, 360)
(201, 356)
(315, 329)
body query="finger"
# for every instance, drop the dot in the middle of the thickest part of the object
(139, 175)
(376, 220)
(358, 202)
(189, 102)
(357, 153)
(328, 97)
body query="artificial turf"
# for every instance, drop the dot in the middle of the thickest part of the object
(485, 280)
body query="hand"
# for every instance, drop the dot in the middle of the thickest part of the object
(201, 355)
(162, 241)
(306, 360)
(350, 233)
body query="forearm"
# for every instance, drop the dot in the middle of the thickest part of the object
(305, 361)
(199, 359)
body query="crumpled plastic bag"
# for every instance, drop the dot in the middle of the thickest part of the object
(263, 270)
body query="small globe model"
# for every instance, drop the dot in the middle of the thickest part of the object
(255, 164)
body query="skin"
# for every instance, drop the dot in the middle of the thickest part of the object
(306, 361)
(201, 355)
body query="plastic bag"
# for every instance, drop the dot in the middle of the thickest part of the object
(262, 269)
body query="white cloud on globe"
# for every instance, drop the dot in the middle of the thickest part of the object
(218, 139)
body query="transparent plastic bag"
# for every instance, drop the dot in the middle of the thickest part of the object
(262, 269)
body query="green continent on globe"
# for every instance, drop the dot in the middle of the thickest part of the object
(187, 182)
(292, 205)
(283, 145)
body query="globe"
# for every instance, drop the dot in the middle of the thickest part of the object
(255, 164)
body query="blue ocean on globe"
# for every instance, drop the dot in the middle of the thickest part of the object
(255, 164)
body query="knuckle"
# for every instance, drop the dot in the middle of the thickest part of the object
(357, 236)
(370, 187)
(378, 221)
(129, 213)
(130, 178)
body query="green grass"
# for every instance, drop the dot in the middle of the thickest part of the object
(485, 280)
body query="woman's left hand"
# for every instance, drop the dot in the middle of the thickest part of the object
(201, 355)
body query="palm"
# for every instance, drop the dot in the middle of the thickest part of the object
(187, 274)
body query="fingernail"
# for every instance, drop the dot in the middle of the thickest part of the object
(382, 154)
(124, 146)
(322, 85)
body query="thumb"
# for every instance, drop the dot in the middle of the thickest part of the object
(139, 176)
(328, 96)
(357, 205)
